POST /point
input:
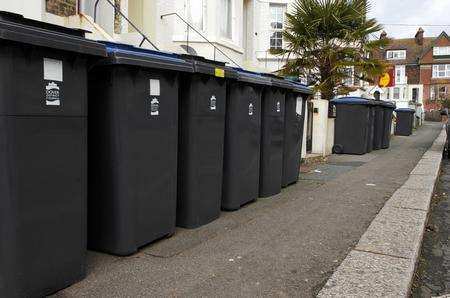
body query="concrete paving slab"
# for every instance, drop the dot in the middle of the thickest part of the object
(364, 274)
(418, 199)
(420, 182)
(428, 168)
(394, 232)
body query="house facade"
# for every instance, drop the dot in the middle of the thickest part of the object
(243, 31)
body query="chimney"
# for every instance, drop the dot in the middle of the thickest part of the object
(383, 35)
(419, 37)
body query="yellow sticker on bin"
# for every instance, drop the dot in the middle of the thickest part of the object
(220, 72)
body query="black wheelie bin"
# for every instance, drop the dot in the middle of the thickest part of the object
(201, 141)
(352, 125)
(43, 155)
(388, 110)
(272, 136)
(405, 121)
(293, 132)
(378, 124)
(133, 148)
(371, 130)
(242, 140)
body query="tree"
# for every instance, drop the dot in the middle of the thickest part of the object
(326, 38)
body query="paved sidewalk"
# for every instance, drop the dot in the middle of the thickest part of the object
(287, 245)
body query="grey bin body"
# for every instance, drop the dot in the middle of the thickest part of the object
(293, 132)
(242, 140)
(405, 121)
(43, 153)
(133, 148)
(352, 126)
(388, 110)
(201, 142)
(272, 137)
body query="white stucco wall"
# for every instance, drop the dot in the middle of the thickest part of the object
(320, 127)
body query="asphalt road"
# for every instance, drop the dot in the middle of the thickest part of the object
(283, 246)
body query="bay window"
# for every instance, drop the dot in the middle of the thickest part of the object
(400, 74)
(441, 71)
(396, 93)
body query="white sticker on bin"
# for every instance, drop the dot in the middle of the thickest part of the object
(154, 88)
(53, 70)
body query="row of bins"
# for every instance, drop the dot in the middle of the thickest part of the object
(362, 125)
(172, 140)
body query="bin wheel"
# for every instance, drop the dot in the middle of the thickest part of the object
(338, 149)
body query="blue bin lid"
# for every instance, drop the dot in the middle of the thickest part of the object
(405, 110)
(389, 105)
(278, 81)
(352, 101)
(251, 77)
(130, 55)
(210, 67)
(300, 88)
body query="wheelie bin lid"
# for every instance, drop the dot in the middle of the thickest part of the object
(389, 105)
(405, 110)
(210, 67)
(124, 54)
(300, 88)
(15, 27)
(278, 81)
(252, 77)
(352, 101)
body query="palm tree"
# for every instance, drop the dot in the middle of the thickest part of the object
(326, 38)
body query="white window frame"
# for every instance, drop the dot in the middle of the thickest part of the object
(441, 51)
(396, 55)
(441, 71)
(350, 81)
(394, 93)
(226, 16)
(189, 17)
(277, 15)
(400, 74)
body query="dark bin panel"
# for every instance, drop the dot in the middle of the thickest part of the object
(133, 143)
(352, 125)
(388, 109)
(378, 125)
(43, 153)
(371, 128)
(272, 137)
(293, 134)
(405, 120)
(201, 142)
(242, 140)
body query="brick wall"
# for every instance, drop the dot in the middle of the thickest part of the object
(413, 74)
(63, 8)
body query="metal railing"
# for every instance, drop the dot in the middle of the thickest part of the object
(117, 9)
(188, 27)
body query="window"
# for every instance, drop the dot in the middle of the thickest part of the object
(348, 81)
(196, 13)
(277, 13)
(438, 92)
(415, 94)
(396, 93)
(441, 71)
(400, 74)
(396, 55)
(441, 51)
(225, 18)
(388, 93)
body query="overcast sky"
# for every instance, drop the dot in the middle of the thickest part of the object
(415, 12)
